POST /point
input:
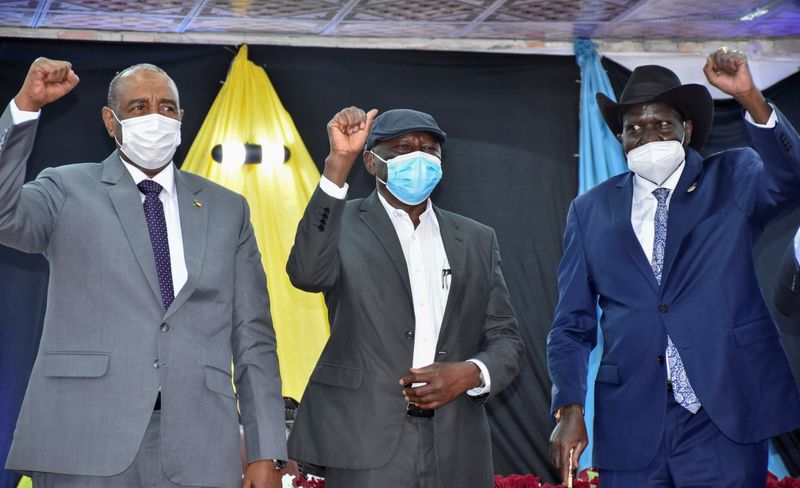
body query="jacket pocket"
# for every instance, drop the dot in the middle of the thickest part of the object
(335, 375)
(219, 381)
(608, 373)
(755, 331)
(74, 364)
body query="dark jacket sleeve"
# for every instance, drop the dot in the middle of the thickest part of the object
(787, 291)
(314, 262)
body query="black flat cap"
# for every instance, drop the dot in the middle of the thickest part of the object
(393, 123)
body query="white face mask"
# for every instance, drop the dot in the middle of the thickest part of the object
(150, 140)
(656, 161)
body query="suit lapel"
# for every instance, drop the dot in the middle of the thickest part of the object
(194, 232)
(374, 216)
(455, 246)
(621, 201)
(681, 218)
(127, 202)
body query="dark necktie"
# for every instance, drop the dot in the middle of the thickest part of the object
(681, 388)
(154, 213)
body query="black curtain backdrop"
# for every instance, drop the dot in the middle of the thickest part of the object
(510, 162)
(729, 131)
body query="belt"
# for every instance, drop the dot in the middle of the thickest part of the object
(415, 411)
(157, 406)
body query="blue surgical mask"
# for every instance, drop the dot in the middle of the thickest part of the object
(413, 176)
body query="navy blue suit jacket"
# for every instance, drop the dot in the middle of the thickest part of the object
(709, 303)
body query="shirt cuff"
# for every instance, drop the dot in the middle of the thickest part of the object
(20, 116)
(487, 380)
(771, 122)
(332, 189)
(797, 246)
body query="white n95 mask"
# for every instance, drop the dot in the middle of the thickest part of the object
(149, 141)
(656, 161)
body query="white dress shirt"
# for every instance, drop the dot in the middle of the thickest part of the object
(168, 197)
(426, 259)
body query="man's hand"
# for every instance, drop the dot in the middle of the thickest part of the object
(47, 81)
(443, 383)
(727, 70)
(347, 134)
(569, 436)
(261, 474)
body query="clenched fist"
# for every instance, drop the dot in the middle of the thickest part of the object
(347, 133)
(47, 81)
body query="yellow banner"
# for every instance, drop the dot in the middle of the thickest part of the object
(247, 110)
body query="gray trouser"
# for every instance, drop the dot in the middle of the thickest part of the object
(413, 465)
(145, 472)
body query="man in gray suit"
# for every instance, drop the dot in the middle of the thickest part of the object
(156, 284)
(422, 329)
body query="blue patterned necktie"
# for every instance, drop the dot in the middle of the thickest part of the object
(157, 225)
(681, 388)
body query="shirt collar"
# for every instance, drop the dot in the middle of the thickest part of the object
(643, 188)
(165, 178)
(396, 213)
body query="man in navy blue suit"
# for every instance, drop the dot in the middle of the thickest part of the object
(693, 377)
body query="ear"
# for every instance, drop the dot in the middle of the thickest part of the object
(110, 122)
(369, 161)
(688, 132)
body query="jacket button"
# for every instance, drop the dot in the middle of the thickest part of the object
(660, 359)
(164, 328)
(409, 334)
(663, 308)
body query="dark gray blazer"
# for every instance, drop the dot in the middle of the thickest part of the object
(352, 411)
(787, 287)
(108, 345)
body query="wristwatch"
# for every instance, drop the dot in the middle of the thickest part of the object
(279, 464)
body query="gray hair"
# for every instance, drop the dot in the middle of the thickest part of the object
(112, 87)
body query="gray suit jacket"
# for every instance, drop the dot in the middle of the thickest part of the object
(352, 411)
(108, 345)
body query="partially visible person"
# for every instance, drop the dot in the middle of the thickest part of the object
(156, 284)
(693, 379)
(787, 288)
(422, 328)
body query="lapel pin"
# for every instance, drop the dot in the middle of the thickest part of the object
(692, 187)
(197, 203)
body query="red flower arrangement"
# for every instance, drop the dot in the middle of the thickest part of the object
(772, 482)
(301, 481)
(587, 478)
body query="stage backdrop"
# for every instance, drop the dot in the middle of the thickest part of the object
(510, 162)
